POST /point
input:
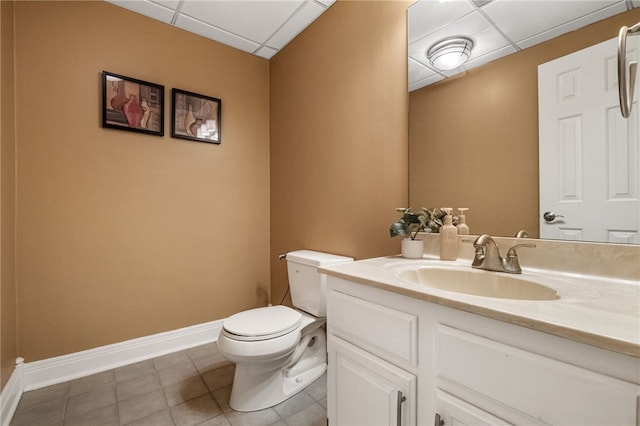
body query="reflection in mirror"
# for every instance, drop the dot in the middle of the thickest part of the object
(473, 136)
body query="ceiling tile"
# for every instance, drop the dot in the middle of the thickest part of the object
(253, 20)
(161, 11)
(574, 25)
(304, 16)
(217, 34)
(427, 16)
(541, 15)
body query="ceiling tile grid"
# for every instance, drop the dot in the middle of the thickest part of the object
(497, 27)
(260, 27)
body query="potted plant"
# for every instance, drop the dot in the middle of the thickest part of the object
(410, 224)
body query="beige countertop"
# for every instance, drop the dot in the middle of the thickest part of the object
(595, 310)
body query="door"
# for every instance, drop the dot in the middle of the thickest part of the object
(368, 390)
(589, 154)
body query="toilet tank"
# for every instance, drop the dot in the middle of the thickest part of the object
(308, 286)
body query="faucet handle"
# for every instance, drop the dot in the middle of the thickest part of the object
(512, 250)
(512, 264)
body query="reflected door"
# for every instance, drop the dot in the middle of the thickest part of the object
(589, 154)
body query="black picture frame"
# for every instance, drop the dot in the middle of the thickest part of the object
(132, 104)
(195, 117)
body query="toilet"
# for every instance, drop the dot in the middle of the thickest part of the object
(278, 351)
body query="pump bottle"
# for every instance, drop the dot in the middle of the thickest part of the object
(448, 237)
(463, 228)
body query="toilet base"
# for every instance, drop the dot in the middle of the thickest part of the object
(254, 389)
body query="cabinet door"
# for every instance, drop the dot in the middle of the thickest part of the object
(454, 411)
(366, 390)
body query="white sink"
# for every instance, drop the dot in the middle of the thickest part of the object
(479, 283)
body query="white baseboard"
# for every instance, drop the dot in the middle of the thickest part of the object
(60, 369)
(10, 395)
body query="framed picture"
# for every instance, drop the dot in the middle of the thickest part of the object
(195, 117)
(132, 104)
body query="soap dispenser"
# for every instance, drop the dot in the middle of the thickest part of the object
(448, 237)
(463, 228)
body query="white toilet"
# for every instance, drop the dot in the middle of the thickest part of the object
(278, 351)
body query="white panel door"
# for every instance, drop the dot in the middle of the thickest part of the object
(367, 390)
(589, 156)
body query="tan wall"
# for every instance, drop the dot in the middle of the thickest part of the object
(8, 315)
(122, 235)
(339, 134)
(473, 139)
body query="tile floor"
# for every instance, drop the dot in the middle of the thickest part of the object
(185, 388)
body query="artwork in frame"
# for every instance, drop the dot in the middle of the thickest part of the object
(195, 117)
(132, 104)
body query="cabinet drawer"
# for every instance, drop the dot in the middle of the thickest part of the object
(551, 391)
(390, 333)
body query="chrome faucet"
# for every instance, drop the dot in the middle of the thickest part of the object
(488, 256)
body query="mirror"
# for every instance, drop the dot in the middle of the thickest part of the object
(473, 137)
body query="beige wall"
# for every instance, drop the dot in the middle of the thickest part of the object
(339, 134)
(120, 234)
(8, 315)
(474, 138)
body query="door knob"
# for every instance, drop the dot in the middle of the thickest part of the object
(550, 216)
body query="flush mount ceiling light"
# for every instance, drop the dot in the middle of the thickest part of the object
(450, 53)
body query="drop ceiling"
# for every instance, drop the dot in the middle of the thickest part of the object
(498, 28)
(260, 27)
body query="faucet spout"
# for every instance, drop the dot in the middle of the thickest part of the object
(488, 256)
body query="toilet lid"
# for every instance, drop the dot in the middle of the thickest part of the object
(263, 323)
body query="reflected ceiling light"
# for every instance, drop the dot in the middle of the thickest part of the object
(450, 53)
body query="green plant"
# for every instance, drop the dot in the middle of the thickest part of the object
(410, 223)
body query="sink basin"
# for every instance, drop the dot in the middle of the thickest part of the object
(480, 283)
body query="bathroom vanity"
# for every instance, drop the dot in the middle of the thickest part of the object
(404, 352)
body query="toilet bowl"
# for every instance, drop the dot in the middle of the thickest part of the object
(275, 366)
(278, 350)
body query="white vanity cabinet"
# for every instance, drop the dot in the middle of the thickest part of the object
(396, 359)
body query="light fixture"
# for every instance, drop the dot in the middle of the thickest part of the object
(450, 53)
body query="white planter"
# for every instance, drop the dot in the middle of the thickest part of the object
(412, 249)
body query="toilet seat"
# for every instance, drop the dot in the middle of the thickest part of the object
(262, 323)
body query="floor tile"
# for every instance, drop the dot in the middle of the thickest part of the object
(210, 362)
(161, 418)
(141, 406)
(220, 420)
(294, 404)
(137, 386)
(318, 389)
(222, 396)
(132, 371)
(171, 360)
(91, 400)
(49, 393)
(190, 387)
(185, 390)
(195, 411)
(45, 414)
(202, 350)
(254, 418)
(89, 383)
(219, 378)
(105, 416)
(177, 373)
(316, 415)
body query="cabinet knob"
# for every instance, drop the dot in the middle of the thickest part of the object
(439, 421)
